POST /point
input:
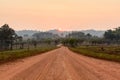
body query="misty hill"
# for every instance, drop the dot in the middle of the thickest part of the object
(94, 32)
(60, 33)
(45, 35)
(26, 32)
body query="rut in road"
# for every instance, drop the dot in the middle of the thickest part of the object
(60, 64)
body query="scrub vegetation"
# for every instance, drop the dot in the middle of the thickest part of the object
(6, 56)
(108, 52)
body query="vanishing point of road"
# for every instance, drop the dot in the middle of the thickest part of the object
(60, 64)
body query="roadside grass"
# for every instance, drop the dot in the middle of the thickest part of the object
(109, 53)
(7, 56)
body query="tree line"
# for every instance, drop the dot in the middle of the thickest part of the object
(79, 38)
(113, 36)
(9, 39)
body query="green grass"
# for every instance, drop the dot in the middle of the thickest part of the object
(109, 53)
(17, 54)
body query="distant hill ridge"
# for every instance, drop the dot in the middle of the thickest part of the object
(61, 33)
(94, 32)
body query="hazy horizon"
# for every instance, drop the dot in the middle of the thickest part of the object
(66, 15)
(59, 30)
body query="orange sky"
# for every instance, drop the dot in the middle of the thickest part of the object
(64, 14)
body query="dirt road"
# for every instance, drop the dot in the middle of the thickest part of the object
(60, 64)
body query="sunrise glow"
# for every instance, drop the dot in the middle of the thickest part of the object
(66, 14)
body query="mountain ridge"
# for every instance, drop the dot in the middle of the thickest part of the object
(93, 32)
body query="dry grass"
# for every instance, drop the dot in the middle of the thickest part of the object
(16, 54)
(109, 53)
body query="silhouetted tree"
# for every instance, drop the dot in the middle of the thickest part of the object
(113, 35)
(34, 42)
(7, 36)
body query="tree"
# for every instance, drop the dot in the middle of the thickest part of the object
(20, 40)
(76, 35)
(34, 42)
(88, 35)
(7, 36)
(113, 35)
(109, 35)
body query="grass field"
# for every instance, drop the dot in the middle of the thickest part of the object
(107, 52)
(16, 54)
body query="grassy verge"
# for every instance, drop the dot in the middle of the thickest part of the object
(96, 53)
(17, 54)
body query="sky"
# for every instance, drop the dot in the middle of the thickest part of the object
(66, 15)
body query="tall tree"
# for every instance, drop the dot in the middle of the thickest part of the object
(113, 35)
(7, 36)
